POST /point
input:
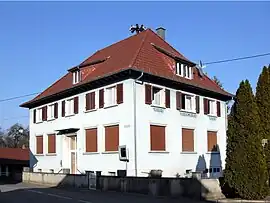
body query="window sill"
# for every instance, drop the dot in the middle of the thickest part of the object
(90, 153)
(39, 154)
(188, 152)
(70, 115)
(188, 111)
(212, 152)
(51, 119)
(157, 106)
(110, 106)
(51, 154)
(159, 152)
(39, 122)
(110, 152)
(90, 110)
(212, 115)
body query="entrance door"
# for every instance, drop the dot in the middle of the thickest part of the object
(73, 161)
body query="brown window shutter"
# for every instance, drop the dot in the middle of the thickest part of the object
(35, 116)
(197, 104)
(101, 98)
(119, 89)
(206, 106)
(63, 108)
(39, 144)
(92, 100)
(111, 138)
(51, 143)
(91, 140)
(56, 110)
(218, 108)
(76, 105)
(167, 98)
(44, 113)
(157, 138)
(87, 101)
(178, 100)
(187, 140)
(148, 94)
(211, 141)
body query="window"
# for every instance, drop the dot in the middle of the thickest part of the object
(183, 70)
(212, 107)
(111, 138)
(51, 112)
(39, 115)
(90, 101)
(76, 76)
(39, 144)
(158, 97)
(157, 138)
(51, 144)
(187, 140)
(69, 107)
(110, 96)
(212, 141)
(186, 102)
(91, 140)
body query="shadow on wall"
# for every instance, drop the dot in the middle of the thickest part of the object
(32, 160)
(215, 165)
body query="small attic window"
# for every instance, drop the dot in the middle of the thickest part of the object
(183, 70)
(76, 76)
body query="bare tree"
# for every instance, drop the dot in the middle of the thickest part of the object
(218, 82)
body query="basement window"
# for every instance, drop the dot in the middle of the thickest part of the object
(76, 76)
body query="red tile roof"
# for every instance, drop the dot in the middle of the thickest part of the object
(15, 154)
(135, 52)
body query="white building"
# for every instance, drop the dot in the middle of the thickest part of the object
(141, 93)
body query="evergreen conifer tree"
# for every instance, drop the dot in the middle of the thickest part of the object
(246, 170)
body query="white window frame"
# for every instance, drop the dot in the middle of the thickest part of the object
(162, 98)
(110, 101)
(183, 70)
(193, 102)
(76, 76)
(39, 115)
(69, 107)
(50, 112)
(212, 107)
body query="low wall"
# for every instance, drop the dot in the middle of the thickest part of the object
(171, 187)
(56, 180)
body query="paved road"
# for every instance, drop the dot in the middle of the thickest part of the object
(25, 193)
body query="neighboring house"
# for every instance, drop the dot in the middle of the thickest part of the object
(139, 92)
(12, 161)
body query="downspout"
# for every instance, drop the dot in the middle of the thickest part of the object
(135, 123)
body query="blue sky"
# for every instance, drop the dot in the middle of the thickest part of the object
(39, 41)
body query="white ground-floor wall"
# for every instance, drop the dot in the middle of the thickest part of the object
(171, 162)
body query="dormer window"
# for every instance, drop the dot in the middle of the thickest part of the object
(183, 70)
(76, 76)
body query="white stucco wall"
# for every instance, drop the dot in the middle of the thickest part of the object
(171, 162)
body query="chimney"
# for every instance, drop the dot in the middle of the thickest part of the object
(161, 32)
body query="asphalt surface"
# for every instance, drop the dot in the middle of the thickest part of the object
(26, 193)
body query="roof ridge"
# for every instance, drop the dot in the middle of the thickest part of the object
(139, 49)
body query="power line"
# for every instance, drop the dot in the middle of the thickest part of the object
(237, 59)
(18, 97)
